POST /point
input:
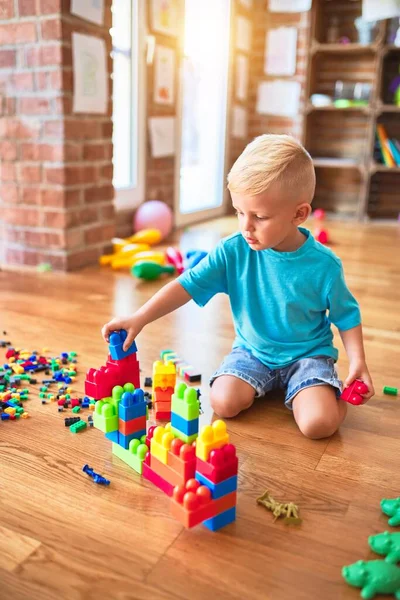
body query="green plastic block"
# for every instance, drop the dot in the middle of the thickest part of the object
(76, 409)
(184, 402)
(391, 391)
(79, 426)
(73, 354)
(42, 395)
(165, 352)
(188, 439)
(133, 457)
(105, 417)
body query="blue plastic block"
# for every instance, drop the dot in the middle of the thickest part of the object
(5, 416)
(117, 339)
(187, 427)
(132, 406)
(123, 440)
(218, 489)
(113, 436)
(219, 521)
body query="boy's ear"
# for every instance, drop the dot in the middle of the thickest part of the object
(302, 213)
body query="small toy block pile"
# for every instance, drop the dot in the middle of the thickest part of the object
(197, 471)
(184, 370)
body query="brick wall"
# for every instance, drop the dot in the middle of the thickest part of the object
(56, 167)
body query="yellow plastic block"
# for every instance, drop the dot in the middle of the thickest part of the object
(17, 369)
(10, 411)
(210, 438)
(161, 442)
(164, 374)
(24, 415)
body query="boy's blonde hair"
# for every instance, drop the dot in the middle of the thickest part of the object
(272, 159)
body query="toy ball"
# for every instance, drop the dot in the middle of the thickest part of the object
(153, 215)
(319, 214)
(322, 236)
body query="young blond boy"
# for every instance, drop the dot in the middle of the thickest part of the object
(281, 283)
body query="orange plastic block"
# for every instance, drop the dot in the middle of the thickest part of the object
(211, 437)
(128, 427)
(161, 442)
(163, 394)
(191, 504)
(166, 472)
(182, 458)
(162, 405)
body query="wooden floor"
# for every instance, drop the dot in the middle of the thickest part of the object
(62, 536)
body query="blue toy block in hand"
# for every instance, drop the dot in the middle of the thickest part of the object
(117, 339)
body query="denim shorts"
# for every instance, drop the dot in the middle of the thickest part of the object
(304, 373)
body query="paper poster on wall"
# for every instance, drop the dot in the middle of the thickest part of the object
(91, 10)
(242, 77)
(384, 9)
(165, 16)
(280, 51)
(278, 97)
(239, 122)
(243, 34)
(289, 6)
(164, 75)
(90, 74)
(162, 136)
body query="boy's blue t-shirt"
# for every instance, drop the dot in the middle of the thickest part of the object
(283, 303)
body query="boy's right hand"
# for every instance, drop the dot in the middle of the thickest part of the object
(132, 325)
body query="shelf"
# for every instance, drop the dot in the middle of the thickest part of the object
(331, 107)
(390, 108)
(338, 163)
(343, 48)
(378, 168)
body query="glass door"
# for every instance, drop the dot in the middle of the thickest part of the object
(202, 113)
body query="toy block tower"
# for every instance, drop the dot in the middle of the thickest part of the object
(121, 367)
(185, 413)
(122, 417)
(164, 379)
(170, 461)
(210, 498)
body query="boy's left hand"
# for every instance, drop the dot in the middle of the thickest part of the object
(359, 370)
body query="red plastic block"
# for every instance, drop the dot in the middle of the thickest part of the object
(162, 415)
(192, 504)
(222, 464)
(191, 376)
(182, 458)
(353, 394)
(158, 481)
(128, 427)
(100, 382)
(162, 394)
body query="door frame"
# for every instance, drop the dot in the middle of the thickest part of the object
(132, 197)
(181, 220)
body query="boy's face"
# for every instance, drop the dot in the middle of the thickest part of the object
(267, 220)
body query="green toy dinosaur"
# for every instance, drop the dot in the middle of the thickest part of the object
(387, 544)
(391, 508)
(374, 577)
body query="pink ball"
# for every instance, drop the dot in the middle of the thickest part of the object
(319, 214)
(153, 214)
